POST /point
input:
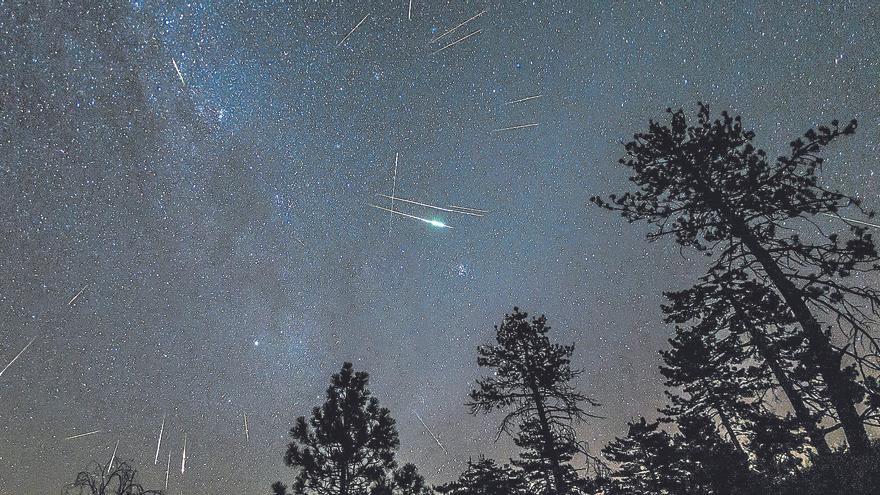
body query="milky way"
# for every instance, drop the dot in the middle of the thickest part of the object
(192, 177)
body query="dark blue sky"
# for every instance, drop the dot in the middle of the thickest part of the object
(181, 208)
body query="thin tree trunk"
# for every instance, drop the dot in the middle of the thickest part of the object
(343, 480)
(827, 358)
(549, 444)
(725, 421)
(801, 412)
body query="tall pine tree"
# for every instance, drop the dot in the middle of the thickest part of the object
(531, 381)
(702, 372)
(709, 187)
(347, 446)
(753, 321)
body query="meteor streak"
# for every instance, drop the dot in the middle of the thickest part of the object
(167, 470)
(353, 30)
(183, 459)
(159, 442)
(515, 127)
(83, 435)
(178, 72)
(393, 189)
(77, 295)
(113, 457)
(392, 198)
(456, 41)
(874, 225)
(247, 437)
(475, 210)
(430, 432)
(409, 13)
(460, 25)
(527, 98)
(17, 356)
(435, 223)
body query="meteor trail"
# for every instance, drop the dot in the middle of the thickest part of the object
(113, 457)
(430, 432)
(475, 210)
(247, 437)
(527, 98)
(515, 127)
(435, 223)
(159, 442)
(183, 459)
(456, 41)
(393, 189)
(874, 225)
(409, 13)
(460, 25)
(353, 30)
(77, 295)
(178, 72)
(17, 356)
(392, 198)
(83, 435)
(167, 470)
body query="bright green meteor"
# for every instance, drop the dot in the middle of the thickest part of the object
(435, 223)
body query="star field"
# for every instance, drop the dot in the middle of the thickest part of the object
(219, 225)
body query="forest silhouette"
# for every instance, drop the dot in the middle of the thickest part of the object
(770, 373)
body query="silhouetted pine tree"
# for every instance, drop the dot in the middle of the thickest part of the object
(347, 446)
(408, 481)
(777, 445)
(710, 188)
(711, 466)
(646, 462)
(755, 330)
(700, 371)
(711, 381)
(279, 488)
(531, 380)
(404, 481)
(485, 477)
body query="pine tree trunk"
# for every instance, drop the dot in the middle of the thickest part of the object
(343, 480)
(549, 444)
(827, 358)
(801, 412)
(725, 421)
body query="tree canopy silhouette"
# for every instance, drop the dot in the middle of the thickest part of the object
(531, 381)
(646, 461)
(709, 187)
(109, 480)
(754, 333)
(347, 446)
(485, 477)
(404, 481)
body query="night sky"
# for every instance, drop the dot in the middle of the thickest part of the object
(220, 230)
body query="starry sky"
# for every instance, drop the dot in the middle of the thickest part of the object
(215, 222)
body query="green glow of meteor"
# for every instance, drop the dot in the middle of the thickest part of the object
(437, 223)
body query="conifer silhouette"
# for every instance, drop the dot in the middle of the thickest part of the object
(707, 186)
(531, 382)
